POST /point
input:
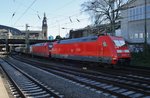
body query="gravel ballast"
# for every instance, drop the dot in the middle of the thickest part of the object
(65, 87)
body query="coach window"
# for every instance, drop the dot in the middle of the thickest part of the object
(104, 44)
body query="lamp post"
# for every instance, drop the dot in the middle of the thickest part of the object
(64, 29)
(6, 42)
(58, 27)
(27, 38)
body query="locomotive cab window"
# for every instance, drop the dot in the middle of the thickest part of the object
(119, 43)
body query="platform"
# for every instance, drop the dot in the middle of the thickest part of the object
(3, 92)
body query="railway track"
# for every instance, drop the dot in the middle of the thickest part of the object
(111, 84)
(25, 86)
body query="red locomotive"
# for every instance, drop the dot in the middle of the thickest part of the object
(100, 49)
(41, 49)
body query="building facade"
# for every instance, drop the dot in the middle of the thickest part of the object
(135, 21)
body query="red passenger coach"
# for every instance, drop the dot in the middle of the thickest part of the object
(100, 49)
(41, 49)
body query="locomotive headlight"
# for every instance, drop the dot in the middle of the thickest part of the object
(119, 51)
(126, 51)
(114, 58)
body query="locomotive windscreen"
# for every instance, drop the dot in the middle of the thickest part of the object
(119, 43)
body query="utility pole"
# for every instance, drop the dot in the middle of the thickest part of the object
(145, 28)
(6, 40)
(27, 38)
(58, 27)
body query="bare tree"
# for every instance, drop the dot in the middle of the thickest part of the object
(104, 11)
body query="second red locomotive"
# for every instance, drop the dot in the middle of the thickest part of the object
(41, 49)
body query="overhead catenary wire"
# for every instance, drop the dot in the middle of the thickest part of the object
(25, 11)
(54, 25)
(66, 17)
(74, 17)
(37, 12)
(23, 5)
(66, 23)
(63, 6)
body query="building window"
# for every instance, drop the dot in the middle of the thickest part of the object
(147, 35)
(131, 36)
(141, 35)
(134, 13)
(141, 13)
(136, 35)
(138, 13)
(148, 11)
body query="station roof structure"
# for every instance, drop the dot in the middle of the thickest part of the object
(11, 29)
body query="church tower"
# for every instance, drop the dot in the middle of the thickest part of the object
(44, 27)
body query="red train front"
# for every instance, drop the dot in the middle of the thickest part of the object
(121, 53)
(100, 49)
